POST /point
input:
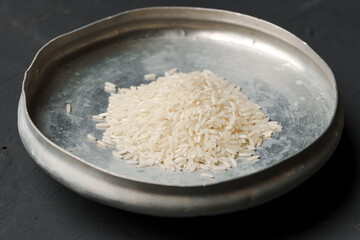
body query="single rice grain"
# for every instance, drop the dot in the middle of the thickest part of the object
(68, 108)
(207, 175)
(91, 137)
(150, 77)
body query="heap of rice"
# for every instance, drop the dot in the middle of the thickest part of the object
(189, 121)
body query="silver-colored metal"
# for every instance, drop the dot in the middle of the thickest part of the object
(275, 69)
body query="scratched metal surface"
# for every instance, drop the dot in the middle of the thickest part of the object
(289, 86)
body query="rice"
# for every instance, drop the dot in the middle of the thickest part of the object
(91, 137)
(68, 108)
(115, 154)
(132, 162)
(253, 158)
(97, 118)
(103, 114)
(219, 168)
(109, 142)
(184, 121)
(150, 76)
(110, 89)
(110, 85)
(101, 144)
(102, 125)
(207, 175)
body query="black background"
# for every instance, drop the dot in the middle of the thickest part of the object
(34, 206)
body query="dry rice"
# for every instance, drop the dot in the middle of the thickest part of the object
(207, 175)
(91, 138)
(68, 108)
(150, 77)
(101, 144)
(97, 118)
(189, 121)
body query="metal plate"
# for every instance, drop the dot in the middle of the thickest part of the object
(274, 68)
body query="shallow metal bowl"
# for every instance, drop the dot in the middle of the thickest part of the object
(275, 69)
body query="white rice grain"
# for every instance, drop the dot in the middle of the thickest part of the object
(110, 85)
(101, 144)
(109, 142)
(245, 154)
(102, 125)
(207, 175)
(219, 168)
(123, 152)
(97, 118)
(150, 77)
(132, 162)
(91, 137)
(68, 108)
(116, 155)
(109, 89)
(143, 164)
(252, 158)
(103, 114)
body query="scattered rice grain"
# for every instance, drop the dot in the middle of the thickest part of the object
(110, 89)
(102, 125)
(91, 138)
(97, 118)
(110, 85)
(101, 144)
(103, 114)
(68, 108)
(123, 152)
(219, 168)
(131, 162)
(109, 142)
(150, 77)
(252, 158)
(143, 164)
(207, 175)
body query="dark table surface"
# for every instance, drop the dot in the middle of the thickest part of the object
(34, 206)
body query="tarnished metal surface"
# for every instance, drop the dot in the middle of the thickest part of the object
(274, 68)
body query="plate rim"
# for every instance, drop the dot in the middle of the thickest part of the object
(265, 26)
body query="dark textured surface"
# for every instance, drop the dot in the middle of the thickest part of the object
(34, 206)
